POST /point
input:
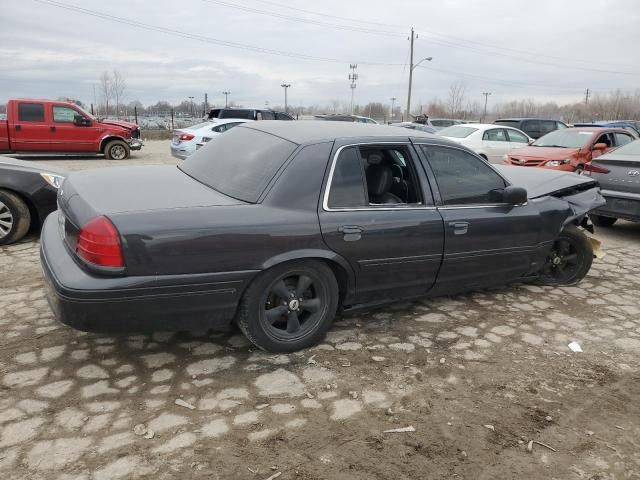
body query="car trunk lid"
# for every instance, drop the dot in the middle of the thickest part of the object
(623, 173)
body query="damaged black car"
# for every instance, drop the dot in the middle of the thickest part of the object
(279, 226)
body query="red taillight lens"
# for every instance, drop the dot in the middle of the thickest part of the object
(99, 243)
(187, 136)
(589, 167)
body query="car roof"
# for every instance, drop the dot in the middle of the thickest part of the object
(518, 119)
(309, 131)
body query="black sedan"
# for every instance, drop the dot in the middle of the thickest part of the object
(618, 173)
(279, 225)
(27, 195)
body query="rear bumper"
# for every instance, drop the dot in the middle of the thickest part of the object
(134, 303)
(182, 150)
(620, 205)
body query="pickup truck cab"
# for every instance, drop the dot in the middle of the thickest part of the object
(47, 126)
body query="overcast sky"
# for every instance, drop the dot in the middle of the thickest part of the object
(543, 49)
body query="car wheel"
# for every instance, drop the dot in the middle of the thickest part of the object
(116, 150)
(289, 307)
(15, 218)
(570, 258)
(601, 221)
(579, 169)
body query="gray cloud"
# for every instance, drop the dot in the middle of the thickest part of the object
(49, 52)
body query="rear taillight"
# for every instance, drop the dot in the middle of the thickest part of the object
(591, 168)
(186, 136)
(99, 243)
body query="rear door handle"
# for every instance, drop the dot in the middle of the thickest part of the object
(459, 228)
(352, 233)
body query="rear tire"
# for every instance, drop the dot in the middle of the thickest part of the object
(117, 150)
(15, 218)
(289, 307)
(570, 258)
(601, 221)
(579, 170)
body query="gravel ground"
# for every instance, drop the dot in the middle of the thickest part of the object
(479, 376)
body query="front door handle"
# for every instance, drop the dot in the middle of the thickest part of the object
(459, 228)
(352, 233)
(53, 129)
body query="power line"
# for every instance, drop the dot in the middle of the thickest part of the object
(193, 36)
(428, 32)
(304, 20)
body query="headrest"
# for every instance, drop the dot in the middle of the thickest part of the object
(375, 158)
(379, 179)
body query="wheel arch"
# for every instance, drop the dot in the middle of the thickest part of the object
(339, 266)
(108, 138)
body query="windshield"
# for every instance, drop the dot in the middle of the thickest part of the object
(632, 148)
(457, 131)
(237, 113)
(240, 163)
(564, 139)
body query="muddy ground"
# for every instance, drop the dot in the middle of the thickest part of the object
(478, 376)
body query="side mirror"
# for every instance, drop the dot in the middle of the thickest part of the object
(600, 146)
(531, 140)
(509, 195)
(80, 121)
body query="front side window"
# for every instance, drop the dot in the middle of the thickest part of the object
(517, 137)
(560, 125)
(495, 135)
(462, 178)
(31, 112)
(64, 114)
(604, 138)
(548, 126)
(240, 163)
(268, 115)
(283, 116)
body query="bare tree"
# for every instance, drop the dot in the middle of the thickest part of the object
(118, 87)
(106, 91)
(455, 101)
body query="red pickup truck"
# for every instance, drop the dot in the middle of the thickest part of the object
(47, 126)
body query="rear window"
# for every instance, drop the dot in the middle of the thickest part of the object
(240, 163)
(31, 112)
(508, 123)
(457, 131)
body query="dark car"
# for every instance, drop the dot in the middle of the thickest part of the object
(629, 125)
(27, 195)
(618, 174)
(248, 114)
(534, 127)
(296, 220)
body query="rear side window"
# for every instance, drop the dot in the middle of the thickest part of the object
(240, 163)
(347, 184)
(268, 115)
(283, 116)
(547, 126)
(462, 178)
(237, 113)
(31, 112)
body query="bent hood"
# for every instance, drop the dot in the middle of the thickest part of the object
(544, 153)
(119, 123)
(540, 181)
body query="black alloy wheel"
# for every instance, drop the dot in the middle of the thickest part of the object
(570, 258)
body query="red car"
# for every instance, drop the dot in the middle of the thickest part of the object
(569, 149)
(47, 126)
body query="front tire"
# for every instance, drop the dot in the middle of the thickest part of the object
(601, 221)
(289, 307)
(117, 150)
(15, 218)
(570, 258)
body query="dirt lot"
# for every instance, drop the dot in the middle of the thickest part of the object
(478, 376)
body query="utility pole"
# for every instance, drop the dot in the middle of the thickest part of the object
(486, 99)
(393, 101)
(286, 87)
(206, 104)
(410, 76)
(586, 97)
(226, 96)
(353, 76)
(191, 105)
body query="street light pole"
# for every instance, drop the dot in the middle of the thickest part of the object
(486, 99)
(191, 105)
(412, 67)
(226, 95)
(286, 87)
(353, 76)
(393, 101)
